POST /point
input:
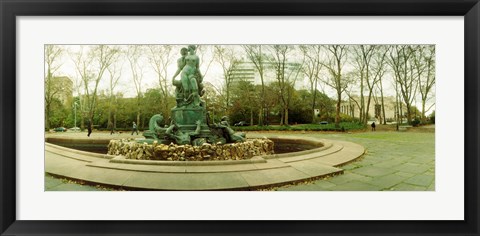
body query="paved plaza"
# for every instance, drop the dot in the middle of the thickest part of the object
(398, 161)
(394, 161)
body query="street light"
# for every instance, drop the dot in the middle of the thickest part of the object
(75, 111)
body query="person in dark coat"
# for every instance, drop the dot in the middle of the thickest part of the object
(373, 126)
(89, 128)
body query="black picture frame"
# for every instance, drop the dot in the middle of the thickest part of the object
(470, 9)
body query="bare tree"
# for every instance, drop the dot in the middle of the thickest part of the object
(402, 64)
(369, 67)
(52, 56)
(257, 57)
(380, 69)
(424, 59)
(286, 75)
(244, 98)
(225, 56)
(80, 101)
(201, 52)
(312, 68)
(134, 55)
(213, 103)
(115, 73)
(352, 91)
(337, 57)
(366, 54)
(82, 66)
(361, 59)
(90, 65)
(160, 57)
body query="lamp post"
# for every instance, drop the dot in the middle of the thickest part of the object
(75, 112)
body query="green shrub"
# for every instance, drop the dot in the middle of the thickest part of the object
(344, 126)
(348, 119)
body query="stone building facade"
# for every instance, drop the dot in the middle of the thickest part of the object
(350, 107)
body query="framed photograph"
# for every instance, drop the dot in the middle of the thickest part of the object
(409, 180)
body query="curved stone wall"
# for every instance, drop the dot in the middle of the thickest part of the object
(250, 174)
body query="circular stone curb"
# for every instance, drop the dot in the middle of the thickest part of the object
(251, 174)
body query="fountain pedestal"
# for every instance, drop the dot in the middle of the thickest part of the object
(185, 117)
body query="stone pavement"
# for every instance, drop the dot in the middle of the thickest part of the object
(395, 161)
(60, 184)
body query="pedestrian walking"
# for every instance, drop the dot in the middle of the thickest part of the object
(89, 128)
(112, 129)
(373, 126)
(134, 128)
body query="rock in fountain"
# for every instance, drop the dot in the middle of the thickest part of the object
(132, 149)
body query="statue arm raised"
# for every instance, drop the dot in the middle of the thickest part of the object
(180, 65)
(176, 74)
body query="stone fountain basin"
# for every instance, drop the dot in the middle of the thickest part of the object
(324, 159)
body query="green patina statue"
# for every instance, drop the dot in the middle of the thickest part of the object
(189, 88)
(155, 130)
(228, 133)
(189, 118)
(184, 137)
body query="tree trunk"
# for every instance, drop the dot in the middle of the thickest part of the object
(251, 117)
(424, 118)
(286, 116)
(337, 117)
(260, 118)
(47, 116)
(383, 110)
(368, 106)
(260, 121)
(281, 117)
(401, 111)
(267, 116)
(313, 104)
(82, 122)
(109, 121)
(138, 119)
(114, 121)
(363, 113)
(409, 114)
(383, 104)
(397, 110)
